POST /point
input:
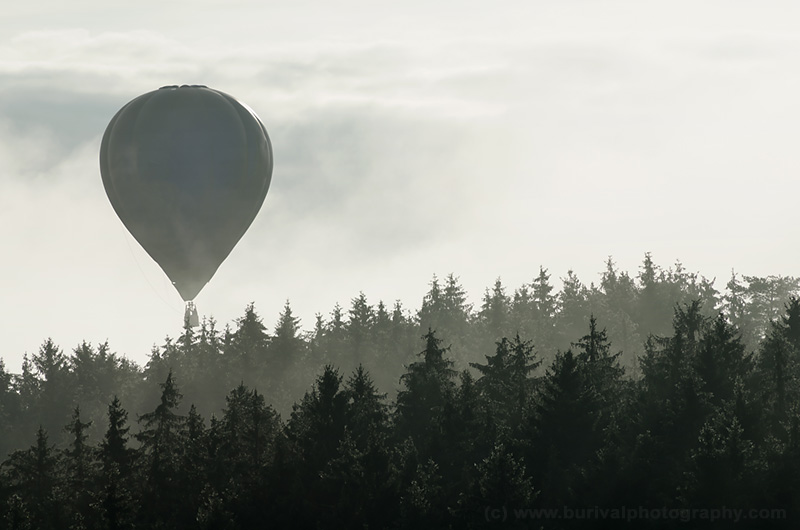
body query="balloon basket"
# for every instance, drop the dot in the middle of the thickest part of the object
(190, 318)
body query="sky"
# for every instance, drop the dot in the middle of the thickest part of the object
(484, 139)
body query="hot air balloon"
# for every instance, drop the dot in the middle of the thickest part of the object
(186, 170)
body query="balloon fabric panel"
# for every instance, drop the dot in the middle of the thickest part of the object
(186, 169)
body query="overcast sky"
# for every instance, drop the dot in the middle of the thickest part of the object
(410, 138)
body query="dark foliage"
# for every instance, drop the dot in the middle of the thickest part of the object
(653, 401)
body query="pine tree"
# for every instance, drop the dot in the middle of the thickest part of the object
(161, 439)
(429, 386)
(10, 413)
(778, 368)
(602, 367)
(16, 514)
(422, 503)
(734, 303)
(780, 480)
(433, 306)
(653, 303)
(500, 483)
(564, 437)
(207, 383)
(317, 423)
(721, 471)
(80, 470)
(367, 414)
(287, 354)
(494, 315)
(33, 475)
(334, 345)
(248, 350)
(286, 345)
(386, 360)
(314, 434)
(117, 459)
(574, 313)
(447, 312)
(546, 308)
(359, 479)
(672, 405)
(97, 374)
(359, 329)
(247, 429)
(505, 382)
(192, 474)
(721, 361)
(55, 388)
(468, 434)
(615, 302)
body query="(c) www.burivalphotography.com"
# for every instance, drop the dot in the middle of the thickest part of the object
(502, 514)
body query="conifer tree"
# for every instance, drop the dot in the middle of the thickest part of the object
(192, 474)
(500, 482)
(367, 414)
(359, 479)
(778, 368)
(721, 471)
(248, 349)
(10, 413)
(505, 380)
(117, 459)
(286, 344)
(334, 343)
(79, 459)
(721, 361)
(445, 310)
(359, 329)
(161, 439)
(602, 366)
(317, 423)
(422, 502)
(55, 389)
(33, 475)
(545, 310)
(494, 315)
(16, 514)
(564, 433)
(468, 433)
(574, 311)
(429, 386)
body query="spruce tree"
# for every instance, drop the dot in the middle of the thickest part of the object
(500, 482)
(34, 475)
(161, 439)
(574, 311)
(361, 318)
(248, 349)
(564, 433)
(286, 344)
(505, 381)
(81, 472)
(494, 316)
(428, 388)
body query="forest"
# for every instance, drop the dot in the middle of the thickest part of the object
(648, 400)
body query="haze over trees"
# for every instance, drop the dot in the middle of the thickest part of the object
(651, 391)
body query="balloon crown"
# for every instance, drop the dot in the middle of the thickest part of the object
(182, 86)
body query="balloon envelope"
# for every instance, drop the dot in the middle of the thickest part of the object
(186, 170)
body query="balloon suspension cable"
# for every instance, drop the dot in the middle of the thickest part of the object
(190, 318)
(141, 271)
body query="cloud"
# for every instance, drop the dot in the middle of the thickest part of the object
(484, 153)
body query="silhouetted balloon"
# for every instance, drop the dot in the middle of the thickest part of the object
(186, 169)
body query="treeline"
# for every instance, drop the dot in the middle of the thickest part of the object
(707, 428)
(283, 362)
(498, 407)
